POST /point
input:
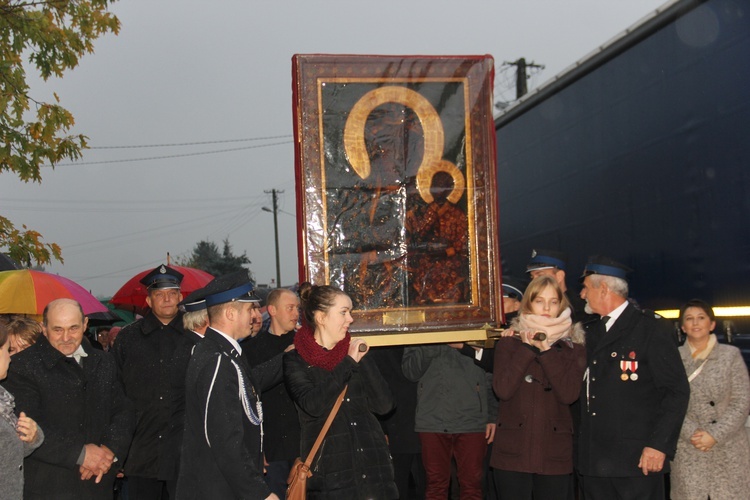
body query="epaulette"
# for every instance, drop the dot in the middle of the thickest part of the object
(651, 314)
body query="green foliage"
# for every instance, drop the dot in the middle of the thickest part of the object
(53, 35)
(207, 257)
(25, 246)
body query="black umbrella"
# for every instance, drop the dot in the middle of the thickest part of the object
(8, 264)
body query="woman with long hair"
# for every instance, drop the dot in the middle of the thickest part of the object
(537, 376)
(353, 461)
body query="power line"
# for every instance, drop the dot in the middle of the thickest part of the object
(196, 143)
(193, 201)
(202, 153)
(145, 232)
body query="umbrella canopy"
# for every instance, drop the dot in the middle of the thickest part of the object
(26, 291)
(8, 264)
(113, 316)
(132, 295)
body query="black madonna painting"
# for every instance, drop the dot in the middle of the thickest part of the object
(396, 187)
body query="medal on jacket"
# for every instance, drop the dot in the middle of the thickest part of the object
(634, 366)
(629, 366)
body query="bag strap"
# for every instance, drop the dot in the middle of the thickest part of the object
(324, 430)
(697, 371)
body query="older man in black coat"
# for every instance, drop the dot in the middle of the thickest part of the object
(151, 354)
(74, 393)
(222, 453)
(634, 396)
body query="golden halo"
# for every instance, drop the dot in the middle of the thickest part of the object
(354, 130)
(424, 180)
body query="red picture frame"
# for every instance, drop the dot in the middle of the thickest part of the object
(396, 188)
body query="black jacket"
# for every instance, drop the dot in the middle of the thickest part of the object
(637, 395)
(150, 357)
(281, 425)
(222, 456)
(398, 424)
(353, 462)
(75, 405)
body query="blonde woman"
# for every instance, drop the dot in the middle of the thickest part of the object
(537, 377)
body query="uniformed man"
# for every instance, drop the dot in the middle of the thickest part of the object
(195, 319)
(195, 322)
(635, 392)
(512, 296)
(222, 454)
(151, 353)
(553, 263)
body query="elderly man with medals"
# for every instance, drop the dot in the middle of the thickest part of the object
(634, 395)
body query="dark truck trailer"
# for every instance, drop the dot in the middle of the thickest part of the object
(641, 152)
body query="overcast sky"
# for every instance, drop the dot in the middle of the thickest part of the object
(186, 72)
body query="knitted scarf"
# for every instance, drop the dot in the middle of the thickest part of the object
(315, 354)
(703, 353)
(555, 328)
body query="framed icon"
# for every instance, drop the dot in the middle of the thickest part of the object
(396, 188)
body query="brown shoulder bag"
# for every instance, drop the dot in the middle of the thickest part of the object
(297, 489)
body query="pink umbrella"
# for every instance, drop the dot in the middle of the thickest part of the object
(25, 291)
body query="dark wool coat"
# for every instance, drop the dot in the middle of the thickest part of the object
(148, 355)
(534, 427)
(75, 405)
(398, 424)
(353, 462)
(621, 417)
(222, 456)
(281, 426)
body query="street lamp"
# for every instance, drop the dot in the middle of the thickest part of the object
(275, 211)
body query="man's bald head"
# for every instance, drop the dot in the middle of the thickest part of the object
(63, 323)
(59, 303)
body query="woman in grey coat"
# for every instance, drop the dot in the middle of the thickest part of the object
(713, 453)
(19, 436)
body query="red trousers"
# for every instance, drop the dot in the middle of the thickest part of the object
(468, 449)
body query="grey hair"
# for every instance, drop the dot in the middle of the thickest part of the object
(617, 285)
(195, 319)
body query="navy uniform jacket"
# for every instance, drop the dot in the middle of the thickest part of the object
(150, 357)
(222, 456)
(75, 405)
(621, 417)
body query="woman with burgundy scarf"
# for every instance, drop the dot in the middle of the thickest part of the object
(537, 377)
(353, 462)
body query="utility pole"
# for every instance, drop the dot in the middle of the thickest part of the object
(275, 212)
(521, 77)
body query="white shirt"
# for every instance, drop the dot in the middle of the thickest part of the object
(615, 314)
(231, 341)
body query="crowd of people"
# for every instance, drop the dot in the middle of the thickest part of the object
(584, 396)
